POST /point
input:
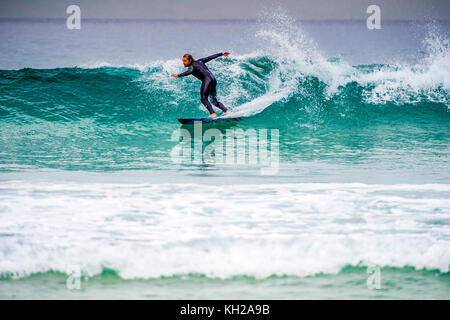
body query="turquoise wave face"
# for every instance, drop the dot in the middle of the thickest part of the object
(123, 118)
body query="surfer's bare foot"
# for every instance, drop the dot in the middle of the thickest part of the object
(212, 115)
(228, 112)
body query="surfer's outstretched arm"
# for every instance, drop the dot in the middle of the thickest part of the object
(186, 73)
(214, 56)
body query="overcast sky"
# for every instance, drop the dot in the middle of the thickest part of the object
(226, 9)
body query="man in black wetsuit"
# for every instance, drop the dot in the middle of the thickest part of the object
(199, 70)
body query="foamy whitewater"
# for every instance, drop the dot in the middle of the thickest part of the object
(88, 178)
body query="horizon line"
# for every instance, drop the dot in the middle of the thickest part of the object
(228, 20)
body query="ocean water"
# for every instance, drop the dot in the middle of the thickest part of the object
(92, 186)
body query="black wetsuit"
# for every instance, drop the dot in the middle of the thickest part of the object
(199, 70)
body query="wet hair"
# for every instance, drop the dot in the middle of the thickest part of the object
(189, 57)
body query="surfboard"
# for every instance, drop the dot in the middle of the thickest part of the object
(186, 121)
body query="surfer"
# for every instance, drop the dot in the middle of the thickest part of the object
(199, 70)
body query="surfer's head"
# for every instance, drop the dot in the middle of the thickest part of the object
(188, 59)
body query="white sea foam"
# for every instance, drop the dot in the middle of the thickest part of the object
(297, 56)
(150, 230)
(396, 83)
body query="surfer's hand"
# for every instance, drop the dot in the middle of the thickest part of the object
(226, 53)
(174, 75)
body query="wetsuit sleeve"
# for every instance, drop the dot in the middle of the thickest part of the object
(187, 72)
(206, 59)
